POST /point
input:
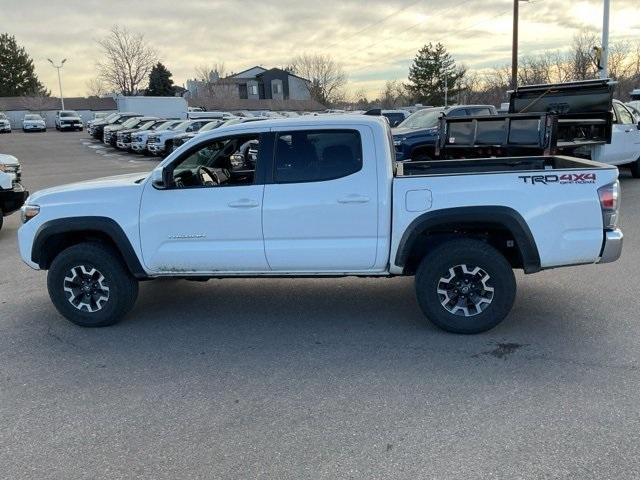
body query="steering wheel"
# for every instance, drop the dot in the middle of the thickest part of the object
(208, 177)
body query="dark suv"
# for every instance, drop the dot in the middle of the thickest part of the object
(415, 138)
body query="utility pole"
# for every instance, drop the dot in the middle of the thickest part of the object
(58, 68)
(514, 46)
(604, 62)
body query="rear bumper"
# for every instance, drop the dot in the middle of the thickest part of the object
(12, 200)
(612, 246)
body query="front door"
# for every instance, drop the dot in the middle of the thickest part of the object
(320, 214)
(625, 139)
(207, 217)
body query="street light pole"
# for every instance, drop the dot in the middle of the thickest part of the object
(514, 46)
(58, 68)
(604, 61)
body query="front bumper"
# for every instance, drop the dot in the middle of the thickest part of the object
(612, 246)
(12, 200)
(155, 147)
(71, 126)
(123, 145)
(5, 128)
(138, 146)
(34, 127)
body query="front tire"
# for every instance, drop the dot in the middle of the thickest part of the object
(635, 169)
(89, 285)
(465, 286)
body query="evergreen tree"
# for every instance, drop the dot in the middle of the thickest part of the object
(17, 73)
(427, 75)
(160, 82)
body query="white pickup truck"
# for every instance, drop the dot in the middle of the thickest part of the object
(323, 198)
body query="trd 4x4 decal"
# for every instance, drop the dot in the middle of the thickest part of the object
(563, 179)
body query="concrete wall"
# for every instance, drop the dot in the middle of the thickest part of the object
(298, 89)
(16, 116)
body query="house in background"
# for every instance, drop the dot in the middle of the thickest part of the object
(258, 83)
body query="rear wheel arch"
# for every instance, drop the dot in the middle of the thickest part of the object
(496, 225)
(57, 235)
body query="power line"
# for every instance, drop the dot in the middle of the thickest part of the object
(378, 22)
(364, 67)
(415, 25)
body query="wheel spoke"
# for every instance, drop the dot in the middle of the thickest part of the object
(465, 290)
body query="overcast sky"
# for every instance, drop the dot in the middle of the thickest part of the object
(375, 40)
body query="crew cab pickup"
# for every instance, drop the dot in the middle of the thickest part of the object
(324, 197)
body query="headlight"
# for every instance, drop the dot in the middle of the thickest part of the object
(9, 168)
(27, 212)
(398, 141)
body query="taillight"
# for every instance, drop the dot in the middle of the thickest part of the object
(610, 204)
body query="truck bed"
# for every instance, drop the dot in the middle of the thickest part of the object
(494, 165)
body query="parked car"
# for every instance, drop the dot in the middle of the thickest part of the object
(415, 137)
(183, 138)
(97, 127)
(140, 137)
(12, 193)
(395, 117)
(109, 132)
(161, 142)
(124, 136)
(32, 122)
(68, 120)
(97, 117)
(325, 199)
(5, 124)
(624, 148)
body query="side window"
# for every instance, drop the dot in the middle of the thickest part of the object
(459, 112)
(623, 114)
(317, 155)
(222, 162)
(480, 111)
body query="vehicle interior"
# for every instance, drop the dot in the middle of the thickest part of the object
(222, 162)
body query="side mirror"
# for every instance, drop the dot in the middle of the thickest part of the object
(157, 178)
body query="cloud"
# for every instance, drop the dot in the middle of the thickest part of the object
(375, 40)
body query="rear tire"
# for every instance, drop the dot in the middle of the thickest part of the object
(90, 285)
(635, 169)
(465, 286)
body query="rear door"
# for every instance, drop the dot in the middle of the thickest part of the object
(320, 209)
(625, 139)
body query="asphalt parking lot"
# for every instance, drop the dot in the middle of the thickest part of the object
(314, 378)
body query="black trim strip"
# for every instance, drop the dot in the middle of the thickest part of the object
(490, 215)
(104, 225)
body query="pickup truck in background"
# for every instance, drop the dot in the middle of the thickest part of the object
(68, 120)
(161, 141)
(5, 124)
(324, 197)
(96, 130)
(140, 137)
(415, 138)
(12, 193)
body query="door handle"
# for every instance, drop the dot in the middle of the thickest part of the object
(243, 203)
(354, 198)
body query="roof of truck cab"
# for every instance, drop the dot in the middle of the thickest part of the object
(321, 120)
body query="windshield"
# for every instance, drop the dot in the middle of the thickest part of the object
(132, 122)
(182, 126)
(32, 117)
(210, 126)
(165, 125)
(146, 125)
(427, 118)
(68, 114)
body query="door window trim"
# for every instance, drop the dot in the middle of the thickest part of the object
(261, 161)
(274, 159)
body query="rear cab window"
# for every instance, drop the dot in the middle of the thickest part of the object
(316, 155)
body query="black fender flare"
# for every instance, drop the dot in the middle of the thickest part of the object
(505, 217)
(104, 225)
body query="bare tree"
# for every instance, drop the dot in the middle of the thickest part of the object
(126, 61)
(327, 77)
(212, 81)
(393, 95)
(96, 88)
